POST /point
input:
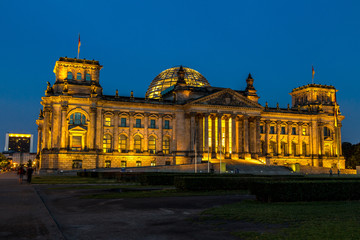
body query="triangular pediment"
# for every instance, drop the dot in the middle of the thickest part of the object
(226, 97)
(78, 128)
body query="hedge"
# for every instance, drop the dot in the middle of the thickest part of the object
(292, 191)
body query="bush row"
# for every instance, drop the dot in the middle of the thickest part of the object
(291, 191)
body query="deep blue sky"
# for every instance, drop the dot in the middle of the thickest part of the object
(277, 41)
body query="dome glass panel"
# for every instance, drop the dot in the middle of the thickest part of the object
(169, 77)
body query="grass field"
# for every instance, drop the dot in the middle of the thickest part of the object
(293, 221)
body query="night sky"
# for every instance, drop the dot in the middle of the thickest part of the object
(277, 41)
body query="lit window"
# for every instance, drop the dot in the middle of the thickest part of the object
(152, 123)
(137, 144)
(78, 76)
(261, 129)
(293, 131)
(167, 124)
(108, 121)
(304, 131)
(138, 123)
(107, 143)
(282, 130)
(88, 77)
(272, 130)
(153, 163)
(152, 144)
(123, 143)
(77, 164)
(77, 119)
(123, 164)
(107, 164)
(123, 122)
(327, 132)
(138, 163)
(69, 76)
(166, 145)
(76, 143)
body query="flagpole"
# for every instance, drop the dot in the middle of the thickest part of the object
(195, 149)
(79, 44)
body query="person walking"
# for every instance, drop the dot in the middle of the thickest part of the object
(21, 172)
(29, 173)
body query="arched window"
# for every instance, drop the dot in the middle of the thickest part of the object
(107, 164)
(88, 77)
(77, 119)
(123, 143)
(152, 144)
(78, 76)
(166, 145)
(273, 147)
(107, 143)
(69, 76)
(137, 144)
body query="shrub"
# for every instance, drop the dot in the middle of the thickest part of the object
(291, 191)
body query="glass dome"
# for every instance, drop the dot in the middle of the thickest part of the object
(169, 78)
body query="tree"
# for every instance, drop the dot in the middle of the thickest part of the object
(352, 154)
(4, 162)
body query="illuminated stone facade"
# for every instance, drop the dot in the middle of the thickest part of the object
(79, 127)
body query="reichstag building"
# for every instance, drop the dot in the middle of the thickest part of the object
(180, 120)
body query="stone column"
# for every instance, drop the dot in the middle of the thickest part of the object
(278, 141)
(200, 137)
(289, 137)
(267, 123)
(161, 116)
(258, 136)
(99, 129)
(240, 136)
(146, 132)
(116, 132)
(213, 135)
(46, 137)
(234, 138)
(321, 130)
(39, 147)
(192, 131)
(246, 134)
(131, 136)
(63, 127)
(227, 136)
(300, 152)
(220, 146)
(206, 133)
(173, 143)
(339, 132)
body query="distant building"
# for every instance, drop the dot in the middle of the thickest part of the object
(19, 147)
(181, 119)
(18, 142)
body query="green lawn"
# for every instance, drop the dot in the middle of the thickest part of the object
(159, 193)
(293, 221)
(69, 180)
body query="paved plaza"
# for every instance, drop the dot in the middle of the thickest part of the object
(47, 212)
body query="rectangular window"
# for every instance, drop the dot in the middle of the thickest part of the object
(108, 164)
(152, 123)
(272, 130)
(108, 121)
(261, 129)
(123, 122)
(167, 163)
(88, 77)
(153, 163)
(304, 131)
(123, 164)
(138, 163)
(293, 131)
(76, 143)
(167, 124)
(283, 130)
(138, 123)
